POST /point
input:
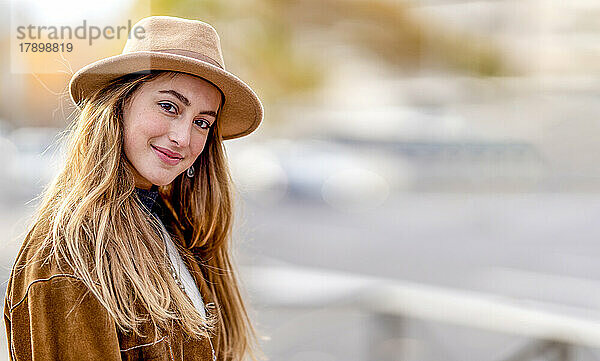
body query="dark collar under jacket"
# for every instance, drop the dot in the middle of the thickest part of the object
(148, 198)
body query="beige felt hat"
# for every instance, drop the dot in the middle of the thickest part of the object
(176, 44)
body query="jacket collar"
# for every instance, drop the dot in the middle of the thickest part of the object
(149, 197)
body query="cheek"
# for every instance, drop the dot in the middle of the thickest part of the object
(143, 127)
(197, 147)
(132, 140)
(128, 139)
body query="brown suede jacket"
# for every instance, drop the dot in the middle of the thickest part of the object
(51, 315)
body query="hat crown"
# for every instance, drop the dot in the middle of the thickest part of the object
(176, 35)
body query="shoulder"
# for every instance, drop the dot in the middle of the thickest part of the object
(34, 271)
(53, 293)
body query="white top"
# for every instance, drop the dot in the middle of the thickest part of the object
(183, 273)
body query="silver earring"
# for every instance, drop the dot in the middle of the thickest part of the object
(190, 171)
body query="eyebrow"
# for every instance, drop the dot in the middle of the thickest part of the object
(186, 101)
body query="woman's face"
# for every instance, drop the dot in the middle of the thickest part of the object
(165, 125)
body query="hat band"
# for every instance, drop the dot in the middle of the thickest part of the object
(191, 54)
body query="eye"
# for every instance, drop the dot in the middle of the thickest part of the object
(202, 123)
(168, 107)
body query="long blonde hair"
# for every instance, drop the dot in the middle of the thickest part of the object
(91, 220)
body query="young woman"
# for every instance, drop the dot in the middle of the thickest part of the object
(128, 257)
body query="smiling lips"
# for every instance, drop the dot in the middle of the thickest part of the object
(167, 156)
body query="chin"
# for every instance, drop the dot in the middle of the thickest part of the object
(161, 181)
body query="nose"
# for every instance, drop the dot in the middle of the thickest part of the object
(180, 132)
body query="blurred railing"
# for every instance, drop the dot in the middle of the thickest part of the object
(390, 301)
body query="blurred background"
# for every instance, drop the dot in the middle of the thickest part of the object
(425, 183)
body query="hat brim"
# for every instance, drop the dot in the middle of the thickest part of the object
(240, 115)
